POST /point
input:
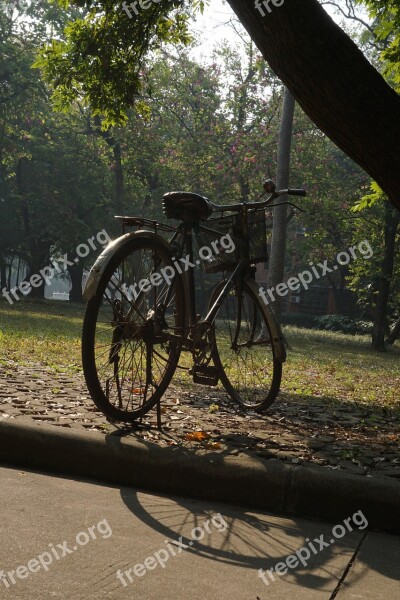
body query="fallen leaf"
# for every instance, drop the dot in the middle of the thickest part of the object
(138, 390)
(213, 446)
(197, 436)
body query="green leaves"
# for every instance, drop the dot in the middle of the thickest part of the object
(386, 15)
(369, 199)
(102, 56)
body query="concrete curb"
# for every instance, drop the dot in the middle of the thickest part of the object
(268, 485)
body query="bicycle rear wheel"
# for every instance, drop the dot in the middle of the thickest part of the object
(132, 335)
(243, 349)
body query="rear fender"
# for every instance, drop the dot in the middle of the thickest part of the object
(108, 253)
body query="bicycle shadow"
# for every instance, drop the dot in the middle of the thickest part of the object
(299, 429)
(256, 539)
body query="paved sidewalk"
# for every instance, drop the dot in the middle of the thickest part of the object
(47, 422)
(242, 480)
(47, 516)
(353, 439)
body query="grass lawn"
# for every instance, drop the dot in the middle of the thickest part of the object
(331, 366)
(45, 332)
(341, 368)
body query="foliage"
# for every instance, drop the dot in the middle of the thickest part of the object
(386, 14)
(298, 320)
(54, 183)
(102, 55)
(208, 126)
(375, 218)
(369, 199)
(343, 324)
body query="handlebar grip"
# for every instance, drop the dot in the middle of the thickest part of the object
(297, 192)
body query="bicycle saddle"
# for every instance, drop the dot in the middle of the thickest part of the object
(181, 205)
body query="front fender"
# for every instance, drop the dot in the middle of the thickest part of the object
(277, 336)
(105, 257)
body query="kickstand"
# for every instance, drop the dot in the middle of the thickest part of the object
(159, 424)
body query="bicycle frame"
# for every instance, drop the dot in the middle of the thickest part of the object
(185, 232)
(101, 263)
(159, 327)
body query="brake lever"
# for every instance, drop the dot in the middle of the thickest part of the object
(289, 204)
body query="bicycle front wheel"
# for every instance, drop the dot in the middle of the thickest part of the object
(244, 351)
(132, 330)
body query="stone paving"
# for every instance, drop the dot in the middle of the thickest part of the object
(356, 439)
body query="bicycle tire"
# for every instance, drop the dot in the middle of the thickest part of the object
(235, 377)
(132, 330)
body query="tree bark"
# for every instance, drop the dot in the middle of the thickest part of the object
(242, 111)
(333, 82)
(276, 263)
(394, 334)
(338, 285)
(119, 179)
(114, 144)
(380, 326)
(75, 272)
(39, 251)
(3, 272)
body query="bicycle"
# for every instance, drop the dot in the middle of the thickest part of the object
(141, 308)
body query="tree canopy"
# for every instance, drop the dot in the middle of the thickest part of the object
(206, 125)
(102, 56)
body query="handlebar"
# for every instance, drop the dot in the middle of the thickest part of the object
(297, 192)
(263, 204)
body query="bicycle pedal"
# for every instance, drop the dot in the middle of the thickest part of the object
(205, 375)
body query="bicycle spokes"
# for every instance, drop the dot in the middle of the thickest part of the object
(244, 351)
(136, 331)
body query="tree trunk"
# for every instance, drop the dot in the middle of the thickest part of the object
(380, 326)
(119, 179)
(117, 166)
(37, 293)
(338, 285)
(3, 272)
(38, 259)
(242, 112)
(10, 271)
(38, 250)
(75, 272)
(17, 282)
(276, 264)
(394, 334)
(332, 81)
